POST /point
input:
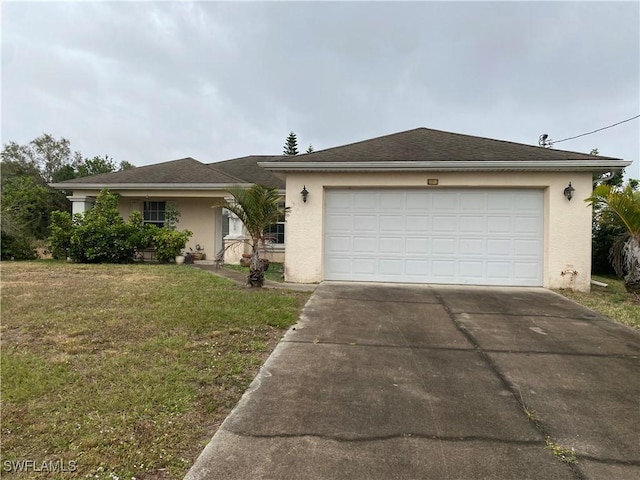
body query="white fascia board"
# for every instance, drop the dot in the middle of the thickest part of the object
(149, 186)
(450, 166)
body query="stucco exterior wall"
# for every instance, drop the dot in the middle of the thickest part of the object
(197, 215)
(567, 224)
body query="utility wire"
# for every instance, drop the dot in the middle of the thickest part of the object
(589, 133)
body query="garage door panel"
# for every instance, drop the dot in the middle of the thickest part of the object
(502, 224)
(339, 223)
(418, 223)
(364, 265)
(525, 270)
(472, 246)
(442, 224)
(499, 272)
(499, 246)
(416, 267)
(472, 201)
(338, 201)
(498, 201)
(366, 201)
(469, 224)
(391, 202)
(391, 266)
(391, 223)
(391, 245)
(365, 223)
(418, 245)
(527, 225)
(528, 201)
(444, 201)
(417, 201)
(443, 246)
(340, 266)
(526, 248)
(339, 244)
(473, 269)
(366, 245)
(443, 269)
(472, 236)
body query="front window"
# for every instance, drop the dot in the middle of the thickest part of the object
(153, 213)
(275, 231)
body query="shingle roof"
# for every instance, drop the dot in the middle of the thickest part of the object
(248, 170)
(182, 171)
(424, 144)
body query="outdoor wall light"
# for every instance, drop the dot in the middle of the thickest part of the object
(568, 192)
(304, 193)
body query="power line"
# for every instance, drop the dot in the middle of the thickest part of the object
(552, 142)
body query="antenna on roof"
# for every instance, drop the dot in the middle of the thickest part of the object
(542, 141)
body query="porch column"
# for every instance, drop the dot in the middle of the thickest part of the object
(80, 203)
(233, 243)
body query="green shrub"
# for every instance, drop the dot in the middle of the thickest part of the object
(169, 243)
(99, 241)
(17, 247)
(141, 234)
(60, 230)
(100, 235)
(604, 236)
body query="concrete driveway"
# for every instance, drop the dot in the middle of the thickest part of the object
(381, 381)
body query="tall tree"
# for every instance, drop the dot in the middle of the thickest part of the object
(96, 165)
(291, 145)
(124, 165)
(310, 149)
(27, 199)
(257, 207)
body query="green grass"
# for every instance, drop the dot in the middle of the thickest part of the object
(612, 301)
(274, 273)
(126, 370)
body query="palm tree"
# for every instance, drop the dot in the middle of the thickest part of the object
(623, 207)
(257, 207)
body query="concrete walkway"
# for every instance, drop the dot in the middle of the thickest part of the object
(434, 382)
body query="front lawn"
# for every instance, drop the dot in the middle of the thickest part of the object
(612, 301)
(125, 371)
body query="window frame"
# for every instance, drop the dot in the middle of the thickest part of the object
(277, 230)
(158, 212)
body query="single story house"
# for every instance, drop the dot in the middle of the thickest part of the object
(420, 206)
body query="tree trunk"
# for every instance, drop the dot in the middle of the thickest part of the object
(631, 253)
(256, 269)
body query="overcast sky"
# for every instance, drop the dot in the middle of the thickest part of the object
(149, 82)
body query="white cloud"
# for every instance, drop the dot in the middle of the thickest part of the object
(152, 81)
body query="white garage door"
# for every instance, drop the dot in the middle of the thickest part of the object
(462, 236)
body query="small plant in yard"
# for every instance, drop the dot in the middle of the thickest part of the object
(566, 455)
(257, 207)
(169, 243)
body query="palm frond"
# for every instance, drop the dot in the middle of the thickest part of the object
(623, 204)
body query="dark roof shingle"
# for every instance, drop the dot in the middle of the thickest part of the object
(182, 171)
(247, 169)
(424, 144)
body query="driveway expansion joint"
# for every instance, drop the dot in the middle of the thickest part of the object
(473, 348)
(379, 438)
